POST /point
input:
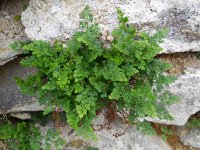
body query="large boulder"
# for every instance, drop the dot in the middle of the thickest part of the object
(58, 19)
(187, 88)
(11, 28)
(11, 99)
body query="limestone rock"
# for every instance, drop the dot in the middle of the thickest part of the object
(11, 100)
(131, 140)
(58, 19)
(11, 29)
(187, 88)
(189, 137)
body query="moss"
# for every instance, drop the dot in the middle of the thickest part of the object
(17, 18)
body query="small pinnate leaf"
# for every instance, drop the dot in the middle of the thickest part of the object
(25, 135)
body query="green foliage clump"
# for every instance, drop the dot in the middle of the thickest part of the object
(92, 148)
(86, 76)
(193, 123)
(166, 132)
(24, 136)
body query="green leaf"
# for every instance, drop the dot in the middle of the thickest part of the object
(114, 73)
(48, 109)
(146, 127)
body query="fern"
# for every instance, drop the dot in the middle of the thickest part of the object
(166, 132)
(85, 76)
(24, 135)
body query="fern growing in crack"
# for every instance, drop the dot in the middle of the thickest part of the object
(86, 77)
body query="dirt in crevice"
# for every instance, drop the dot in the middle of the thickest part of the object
(181, 61)
(196, 115)
(173, 140)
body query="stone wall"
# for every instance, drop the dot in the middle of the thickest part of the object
(58, 19)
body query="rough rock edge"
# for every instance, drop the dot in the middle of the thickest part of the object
(187, 88)
(189, 137)
(133, 139)
(58, 19)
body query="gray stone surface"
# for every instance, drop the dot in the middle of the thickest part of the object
(11, 100)
(10, 29)
(58, 19)
(131, 140)
(189, 137)
(187, 87)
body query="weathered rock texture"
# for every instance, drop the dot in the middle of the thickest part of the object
(189, 137)
(11, 28)
(58, 19)
(11, 100)
(187, 88)
(131, 140)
